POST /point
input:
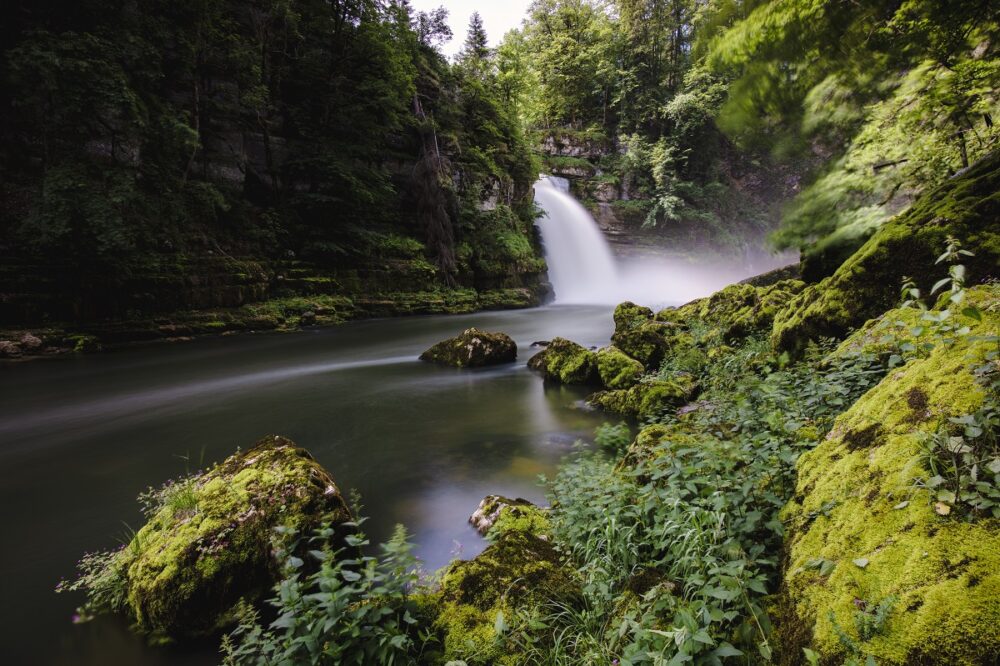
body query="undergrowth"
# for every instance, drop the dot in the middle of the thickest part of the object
(679, 550)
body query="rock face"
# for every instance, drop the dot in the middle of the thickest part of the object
(639, 336)
(208, 542)
(863, 538)
(566, 362)
(473, 349)
(868, 283)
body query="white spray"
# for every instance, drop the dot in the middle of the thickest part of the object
(583, 269)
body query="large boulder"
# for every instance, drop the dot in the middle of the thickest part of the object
(210, 539)
(966, 207)
(566, 362)
(473, 349)
(881, 560)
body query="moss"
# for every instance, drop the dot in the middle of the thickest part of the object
(566, 362)
(943, 570)
(84, 344)
(521, 518)
(867, 284)
(617, 369)
(519, 571)
(648, 398)
(194, 560)
(740, 310)
(628, 316)
(473, 349)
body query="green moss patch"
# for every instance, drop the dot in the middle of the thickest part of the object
(617, 369)
(482, 595)
(648, 398)
(875, 565)
(208, 542)
(566, 362)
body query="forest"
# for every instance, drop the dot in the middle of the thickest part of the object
(693, 305)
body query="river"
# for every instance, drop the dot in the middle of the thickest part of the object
(82, 436)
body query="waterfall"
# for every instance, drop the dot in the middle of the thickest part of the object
(581, 266)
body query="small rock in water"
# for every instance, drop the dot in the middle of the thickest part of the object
(473, 349)
(489, 510)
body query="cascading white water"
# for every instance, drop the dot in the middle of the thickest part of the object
(581, 266)
(583, 269)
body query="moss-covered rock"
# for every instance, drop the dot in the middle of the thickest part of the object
(862, 536)
(737, 311)
(566, 362)
(648, 398)
(520, 570)
(209, 543)
(867, 284)
(473, 349)
(617, 369)
(628, 316)
(640, 336)
(490, 508)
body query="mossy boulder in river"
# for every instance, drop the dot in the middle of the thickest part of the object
(566, 362)
(648, 398)
(881, 559)
(617, 369)
(639, 336)
(520, 570)
(473, 349)
(208, 542)
(966, 207)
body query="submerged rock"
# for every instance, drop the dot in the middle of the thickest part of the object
(473, 349)
(208, 543)
(566, 362)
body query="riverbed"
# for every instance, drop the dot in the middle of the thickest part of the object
(81, 436)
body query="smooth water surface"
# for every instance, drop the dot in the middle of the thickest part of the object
(80, 437)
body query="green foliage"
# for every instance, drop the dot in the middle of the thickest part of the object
(676, 547)
(337, 609)
(613, 438)
(962, 454)
(902, 94)
(269, 129)
(102, 576)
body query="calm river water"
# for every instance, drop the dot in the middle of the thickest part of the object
(80, 437)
